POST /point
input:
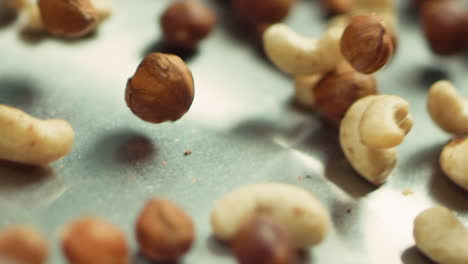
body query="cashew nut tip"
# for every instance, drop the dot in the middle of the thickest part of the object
(454, 162)
(374, 160)
(25, 139)
(447, 108)
(441, 236)
(295, 208)
(295, 54)
(304, 89)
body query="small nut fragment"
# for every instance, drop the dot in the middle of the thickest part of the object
(367, 43)
(264, 241)
(454, 162)
(21, 244)
(336, 7)
(164, 231)
(186, 23)
(93, 240)
(304, 89)
(262, 11)
(162, 88)
(441, 236)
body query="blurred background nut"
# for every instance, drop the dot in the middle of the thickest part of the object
(21, 244)
(337, 7)
(262, 11)
(164, 231)
(162, 88)
(93, 240)
(264, 241)
(186, 23)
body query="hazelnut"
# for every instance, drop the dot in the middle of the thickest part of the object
(185, 23)
(19, 244)
(367, 43)
(262, 11)
(442, 22)
(339, 89)
(337, 7)
(164, 231)
(162, 88)
(93, 240)
(264, 241)
(70, 18)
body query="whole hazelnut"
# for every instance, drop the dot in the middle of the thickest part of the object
(262, 11)
(164, 231)
(93, 240)
(339, 89)
(21, 244)
(337, 7)
(162, 88)
(264, 241)
(442, 22)
(70, 18)
(186, 23)
(367, 43)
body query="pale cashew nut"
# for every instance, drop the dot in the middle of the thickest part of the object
(454, 162)
(25, 139)
(304, 89)
(295, 208)
(370, 161)
(441, 236)
(447, 108)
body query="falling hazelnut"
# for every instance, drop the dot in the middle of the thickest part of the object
(162, 88)
(339, 89)
(264, 241)
(70, 18)
(367, 43)
(93, 240)
(262, 11)
(20, 244)
(337, 7)
(186, 23)
(164, 231)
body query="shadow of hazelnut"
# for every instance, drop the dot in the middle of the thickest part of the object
(164, 47)
(430, 74)
(134, 149)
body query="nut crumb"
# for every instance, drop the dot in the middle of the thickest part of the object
(187, 153)
(348, 210)
(407, 192)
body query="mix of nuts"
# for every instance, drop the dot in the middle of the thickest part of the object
(266, 223)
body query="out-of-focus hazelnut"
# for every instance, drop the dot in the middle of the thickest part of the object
(164, 231)
(20, 244)
(162, 88)
(367, 43)
(264, 241)
(186, 23)
(337, 7)
(70, 18)
(262, 11)
(93, 240)
(442, 22)
(339, 89)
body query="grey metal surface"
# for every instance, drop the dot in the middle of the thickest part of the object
(242, 128)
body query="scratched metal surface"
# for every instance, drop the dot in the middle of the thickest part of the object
(242, 128)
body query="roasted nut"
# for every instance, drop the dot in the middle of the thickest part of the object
(164, 231)
(262, 11)
(93, 240)
(454, 161)
(304, 89)
(70, 18)
(20, 244)
(339, 89)
(336, 7)
(161, 89)
(186, 23)
(264, 241)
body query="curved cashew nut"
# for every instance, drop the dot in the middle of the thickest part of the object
(441, 236)
(454, 162)
(447, 108)
(28, 140)
(304, 89)
(370, 161)
(298, 210)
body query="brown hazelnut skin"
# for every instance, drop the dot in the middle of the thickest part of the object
(70, 18)
(367, 43)
(339, 89)
(164, 231)
(21, 244)
(92, 240)
(442, 23)
(262, 11)
(162, 88)
(264, 241)
(337, 7)
(186, 23)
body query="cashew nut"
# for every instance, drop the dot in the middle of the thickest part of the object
(441, 236)
(447, 108)
(369, 120)
(304, 89)
(298, 210)
(28, 140)
(454, 162)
